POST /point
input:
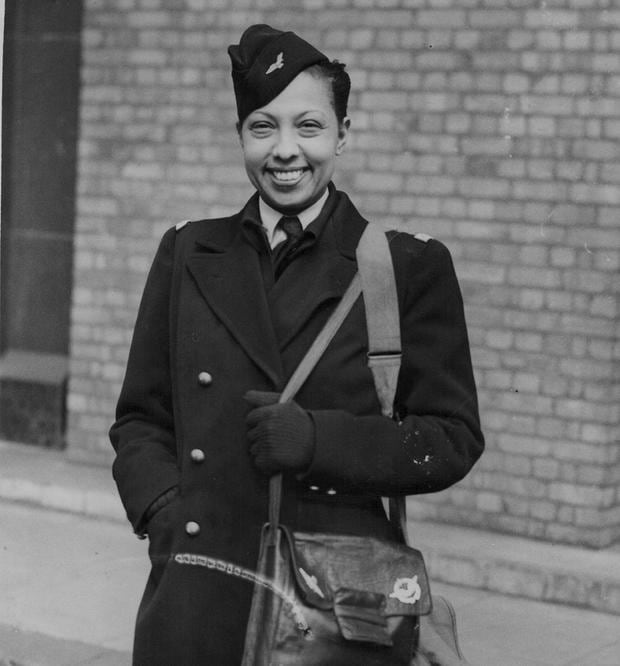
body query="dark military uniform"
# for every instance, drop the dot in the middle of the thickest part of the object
(213, 324)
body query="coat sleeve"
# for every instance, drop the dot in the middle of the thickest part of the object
(143, 433)
(437, 438)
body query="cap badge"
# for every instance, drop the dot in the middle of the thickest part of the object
(278, 64)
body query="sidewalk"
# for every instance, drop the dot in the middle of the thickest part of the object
(70, 587)
(72, 576)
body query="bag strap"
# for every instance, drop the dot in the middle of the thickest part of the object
(374, 262)
(301, 374)
(375, 279)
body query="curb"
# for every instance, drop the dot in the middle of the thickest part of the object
(28, 648)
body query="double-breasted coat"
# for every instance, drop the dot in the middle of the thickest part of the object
(210, 327)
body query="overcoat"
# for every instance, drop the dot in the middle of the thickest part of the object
(210, 328)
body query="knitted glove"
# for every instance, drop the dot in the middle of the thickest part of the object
(281, 435)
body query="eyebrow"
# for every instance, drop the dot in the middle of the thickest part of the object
(296, 116)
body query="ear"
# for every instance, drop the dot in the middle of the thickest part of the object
(343, 134)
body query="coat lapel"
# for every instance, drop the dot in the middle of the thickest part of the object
(318, 275)
(227, 271)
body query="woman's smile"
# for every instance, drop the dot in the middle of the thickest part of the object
(287, 177)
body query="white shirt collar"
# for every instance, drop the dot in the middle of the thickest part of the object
(270, 218)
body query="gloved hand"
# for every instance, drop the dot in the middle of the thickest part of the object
(281, 435)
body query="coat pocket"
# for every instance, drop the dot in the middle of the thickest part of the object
(161, 530)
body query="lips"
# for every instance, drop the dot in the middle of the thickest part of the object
(287, 176)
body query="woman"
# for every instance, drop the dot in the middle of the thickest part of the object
(227, 313)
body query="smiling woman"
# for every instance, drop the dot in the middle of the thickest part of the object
(230, 308)
(290, 145)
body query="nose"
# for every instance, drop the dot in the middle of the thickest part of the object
(285, 147)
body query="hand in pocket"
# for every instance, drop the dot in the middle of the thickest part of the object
(160, 531)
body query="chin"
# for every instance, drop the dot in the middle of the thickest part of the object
(291, 203)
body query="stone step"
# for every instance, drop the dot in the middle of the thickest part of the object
(519, 566)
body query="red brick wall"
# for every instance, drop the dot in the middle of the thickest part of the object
(492, 125)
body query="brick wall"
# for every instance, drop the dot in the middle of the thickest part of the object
(493, 125)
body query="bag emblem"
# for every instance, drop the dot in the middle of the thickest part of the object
(407, 590)
(278, 64)
(312, 583)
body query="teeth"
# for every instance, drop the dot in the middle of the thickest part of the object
(288, 175)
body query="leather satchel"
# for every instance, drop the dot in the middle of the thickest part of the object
(330, 598)
(335, 599)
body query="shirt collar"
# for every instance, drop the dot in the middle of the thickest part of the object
(270, 217)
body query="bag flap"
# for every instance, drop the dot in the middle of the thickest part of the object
(361, 616)
(325, 564)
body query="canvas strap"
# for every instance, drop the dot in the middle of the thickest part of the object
(301, 373)
(374, 262)
(375, 280)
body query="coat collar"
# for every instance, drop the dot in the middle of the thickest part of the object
(226, 268)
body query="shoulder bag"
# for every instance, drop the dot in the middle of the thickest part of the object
(331, 598)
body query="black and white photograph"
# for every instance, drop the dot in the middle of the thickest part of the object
(309, 333)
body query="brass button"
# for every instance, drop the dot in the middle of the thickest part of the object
(197, 455)
(192, 528)
(205, 378)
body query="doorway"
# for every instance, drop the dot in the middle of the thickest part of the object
(40, 104)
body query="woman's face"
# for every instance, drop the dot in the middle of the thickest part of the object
(290, 145)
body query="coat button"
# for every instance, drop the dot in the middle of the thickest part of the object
(192, 528)
(197, 455)
(204, 378)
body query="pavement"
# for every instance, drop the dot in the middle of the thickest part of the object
(72, 573)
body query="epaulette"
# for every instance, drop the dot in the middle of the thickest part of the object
(180, 225)
(423, 237)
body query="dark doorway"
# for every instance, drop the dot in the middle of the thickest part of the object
(39, 142)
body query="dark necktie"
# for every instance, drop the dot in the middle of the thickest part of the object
(284, 250)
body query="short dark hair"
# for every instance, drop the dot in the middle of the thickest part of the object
(340, 84)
